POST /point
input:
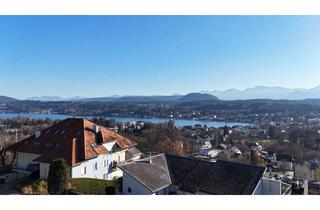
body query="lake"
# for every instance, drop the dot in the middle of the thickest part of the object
(178, 122)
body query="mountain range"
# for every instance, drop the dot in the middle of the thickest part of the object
(54, 98)
(262, 92)
(176, 97)
(258, 92)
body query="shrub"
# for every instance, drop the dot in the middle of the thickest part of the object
(35, 175)
(72, 191)
(27, 190)
(110, 190)
(40, 187)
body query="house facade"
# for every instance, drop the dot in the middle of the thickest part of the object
(284, 162)
(91, 151)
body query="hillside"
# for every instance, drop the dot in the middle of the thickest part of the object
(198, 97)
(6, 99)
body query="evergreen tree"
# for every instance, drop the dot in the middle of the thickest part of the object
(58, 176)
(225, 130)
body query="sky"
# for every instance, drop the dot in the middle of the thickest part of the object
(95, 56)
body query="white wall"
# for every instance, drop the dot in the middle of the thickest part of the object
(120, 155)
(91, 172)
(109, 145)
(258, 189)
(136, 187)
(117, 173)
(103, 172)
(285, 165)
(268, 187)
(24, 159)
(44, 170)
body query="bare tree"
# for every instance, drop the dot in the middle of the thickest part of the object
(5, 142)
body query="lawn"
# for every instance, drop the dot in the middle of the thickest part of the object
(93, 186)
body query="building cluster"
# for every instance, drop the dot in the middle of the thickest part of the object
(93, 151)
(302, 176)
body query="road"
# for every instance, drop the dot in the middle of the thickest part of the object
(5, 189)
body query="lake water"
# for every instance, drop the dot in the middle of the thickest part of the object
(178, 122)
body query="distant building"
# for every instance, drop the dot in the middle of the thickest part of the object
(133, 153)
(284, 162)
(89, 150)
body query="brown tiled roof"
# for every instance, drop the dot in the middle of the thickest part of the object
(73, 139)
(121, 141)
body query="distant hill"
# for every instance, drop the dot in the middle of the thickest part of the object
(99, 99)
(135, 98)
(148, 98)
(6, 99)
(198, 97)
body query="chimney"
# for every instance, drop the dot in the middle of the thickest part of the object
(38, 133)
(96, 128)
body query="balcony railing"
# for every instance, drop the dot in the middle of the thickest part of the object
(286, 189)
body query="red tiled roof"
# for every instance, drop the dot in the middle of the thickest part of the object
(121, 141)
(73, 139)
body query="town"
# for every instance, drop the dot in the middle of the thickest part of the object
(177, 105)
(103, 156)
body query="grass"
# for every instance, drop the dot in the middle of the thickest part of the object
(93, 186)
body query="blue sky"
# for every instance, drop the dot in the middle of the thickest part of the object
(152, 55)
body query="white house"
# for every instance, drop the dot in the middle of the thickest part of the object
(272, 187)
(284, 162)
(91, 151)
(167, 175)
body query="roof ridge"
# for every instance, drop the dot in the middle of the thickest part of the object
(238, 163)
(168, 168)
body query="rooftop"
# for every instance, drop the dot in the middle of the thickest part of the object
(195, 176)
(73, 139)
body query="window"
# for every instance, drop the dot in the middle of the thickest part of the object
(104, 163)
(83, 170)
(129, 190)
(105, 176)
(96, 166)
